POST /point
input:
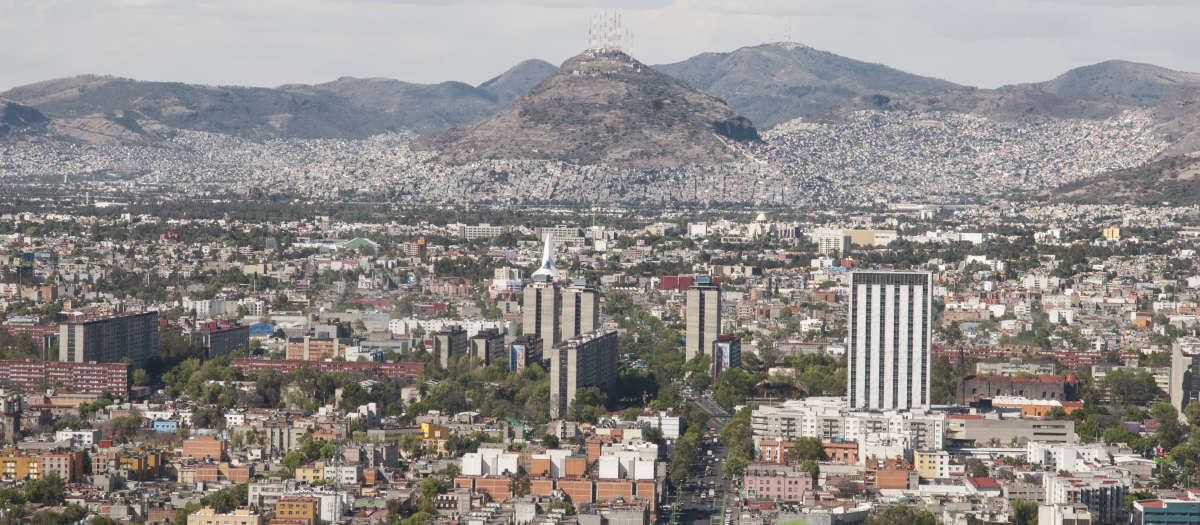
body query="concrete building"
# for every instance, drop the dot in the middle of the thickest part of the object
(488, 347)
(967, 429)
(829, 419)
(1064, 456)
(222, 339)
(110, 339)
(240, 516)
(703, 317)
(1102, 493)
(542, 306)
(483, 231)
(776, 482)
(834, 244)
(580, 309)
(890, 334)
(450, 341)
(580, 362)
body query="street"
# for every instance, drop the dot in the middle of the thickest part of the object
(693, 503)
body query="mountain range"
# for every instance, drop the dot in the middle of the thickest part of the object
(768, 84)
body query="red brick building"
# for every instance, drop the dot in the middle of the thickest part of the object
(284, 366)
(81, 378)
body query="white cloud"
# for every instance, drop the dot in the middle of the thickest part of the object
(270, 42)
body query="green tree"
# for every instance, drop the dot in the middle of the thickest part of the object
(293, 459)
(812, 468)
(631, 414)
(807, 449)
(735, 465)
(979, 471)
(49, 491)
(328, 451)
(1024, 512)
(1184, 455)
(452, 471)
(182, 513)
(520, 486)
(901, 515)
(1192, 412)
(1170, 431)
(222, 501)
(141, 378)
(565, 505)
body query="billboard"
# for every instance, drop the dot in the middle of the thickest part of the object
(516, 358)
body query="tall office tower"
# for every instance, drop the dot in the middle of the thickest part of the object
(586, 360)
(449, 342)
(580, 309)
(110, 339)
(703, 316)
(890, 346)
(542, 303)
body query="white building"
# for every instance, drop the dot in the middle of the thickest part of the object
(669, 424)
(1063, 456)
(489, 462)
(890, 334)
(81, 437)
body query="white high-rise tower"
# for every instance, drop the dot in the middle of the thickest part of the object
(890, 347)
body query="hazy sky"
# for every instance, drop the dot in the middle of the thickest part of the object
(984, 43)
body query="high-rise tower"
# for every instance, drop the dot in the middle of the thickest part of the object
(542, 302)
(580, 309)
(890, 347)
(703, 316)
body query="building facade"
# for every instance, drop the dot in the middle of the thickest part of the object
(488, 347)
(580, 309)
(541, 310)
(703, 316)
(82, 378)
(580, 362)
(110, 339)
(448, 342)
(890, 335)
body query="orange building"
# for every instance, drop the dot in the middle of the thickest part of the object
(68, 465)
(845, 453)
(204, 447)
(240, 516)
(305, 509)
(575, 466)
(495, 487)
(895, 474)
(208, 473)
(542, 487)
(578, 491)
(610, 490)
(774, 451)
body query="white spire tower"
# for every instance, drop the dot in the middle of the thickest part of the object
(548, 267)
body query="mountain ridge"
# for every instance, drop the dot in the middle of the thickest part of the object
(601, 108)
(775, 83)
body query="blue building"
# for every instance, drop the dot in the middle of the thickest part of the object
(166, 426)
(1166, 511)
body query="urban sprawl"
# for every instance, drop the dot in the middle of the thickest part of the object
(215, 331)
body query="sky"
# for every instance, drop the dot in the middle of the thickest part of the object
(984, 43)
